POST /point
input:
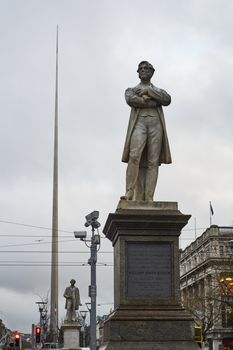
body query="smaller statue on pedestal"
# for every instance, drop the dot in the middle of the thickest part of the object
(72, 301)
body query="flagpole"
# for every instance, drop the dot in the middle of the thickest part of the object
(211, 213)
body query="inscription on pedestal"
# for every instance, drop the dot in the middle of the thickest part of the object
(149, 270)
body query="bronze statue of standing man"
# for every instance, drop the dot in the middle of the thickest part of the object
(146, 144)
(72, 301)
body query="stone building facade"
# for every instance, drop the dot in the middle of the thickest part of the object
(206, 279)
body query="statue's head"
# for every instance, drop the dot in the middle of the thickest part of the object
(145, 69)
(72, 282)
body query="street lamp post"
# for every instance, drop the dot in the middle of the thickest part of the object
(43, 313)
(83, 314)
(91, 220)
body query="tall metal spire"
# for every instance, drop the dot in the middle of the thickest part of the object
(54, 262)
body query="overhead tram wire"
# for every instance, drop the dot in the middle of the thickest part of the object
(59, 237)
(41, 264)
(31, 236)
(60, 241)
(74, 263)
(37, 243)
(66, 231)
(32, 226)
(48, 261)
(48, 251)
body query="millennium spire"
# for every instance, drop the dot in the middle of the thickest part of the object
(54, 262)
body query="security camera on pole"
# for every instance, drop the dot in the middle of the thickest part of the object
(91, 220)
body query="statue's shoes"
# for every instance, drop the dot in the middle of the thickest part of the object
(149, 200)
(128, 196)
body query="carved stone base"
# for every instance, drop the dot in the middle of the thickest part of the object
(148, 314)
(149, 330)
(146, 345)
(71, 335)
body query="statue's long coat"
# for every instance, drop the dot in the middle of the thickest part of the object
(165, 155)
(68, 293)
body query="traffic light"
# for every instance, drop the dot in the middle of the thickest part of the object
(38, 334)
(17, 340)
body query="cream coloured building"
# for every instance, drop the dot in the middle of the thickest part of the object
(206, 280)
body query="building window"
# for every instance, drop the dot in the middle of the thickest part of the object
(229, 251)
(195, 260)
(227, 316)
(221, 250)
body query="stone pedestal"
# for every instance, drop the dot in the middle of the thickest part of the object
(71, 335)
(147, 311)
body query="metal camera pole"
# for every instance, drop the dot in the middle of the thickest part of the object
(95, 240)
(92, 290)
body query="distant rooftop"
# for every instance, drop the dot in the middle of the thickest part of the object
(212, 231)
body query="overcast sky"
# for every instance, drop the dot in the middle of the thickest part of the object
(100, 45)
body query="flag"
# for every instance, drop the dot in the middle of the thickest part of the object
(211, 209)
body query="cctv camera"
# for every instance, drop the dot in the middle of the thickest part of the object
(92, 216)
(92, 219)
(80, 234)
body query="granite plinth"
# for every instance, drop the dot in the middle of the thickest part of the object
(71, 335)
(146, 345)
(147, 307)
(142, 205)
(150, 329)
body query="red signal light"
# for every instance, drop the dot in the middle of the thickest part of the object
(17, 340)
(38, 330)
(38, 334)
